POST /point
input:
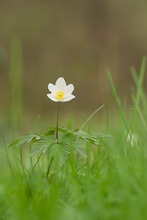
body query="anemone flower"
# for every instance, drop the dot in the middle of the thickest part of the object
(60, 92)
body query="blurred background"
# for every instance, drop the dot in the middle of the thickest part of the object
(41, 40)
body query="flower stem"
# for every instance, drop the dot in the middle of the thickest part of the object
(57, 123)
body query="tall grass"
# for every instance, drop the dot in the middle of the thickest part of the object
(87, 175)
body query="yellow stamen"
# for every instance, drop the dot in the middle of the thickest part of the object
(60, 95)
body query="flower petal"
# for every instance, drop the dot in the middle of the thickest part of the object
(60, 84)
(69, 89)
(68, 98)
(52, 88)
(50, 96)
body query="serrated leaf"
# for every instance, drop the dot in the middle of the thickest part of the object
(92, 138)
(24, 139)
(42, 145)
(66, 151)
(65, 130)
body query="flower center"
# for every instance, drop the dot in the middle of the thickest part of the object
(60, 95)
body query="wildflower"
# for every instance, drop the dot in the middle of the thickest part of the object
(60, 92)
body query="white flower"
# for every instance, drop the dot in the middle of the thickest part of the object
(60, 92)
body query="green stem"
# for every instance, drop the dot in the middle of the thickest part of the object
(57, 123)
(49, 166)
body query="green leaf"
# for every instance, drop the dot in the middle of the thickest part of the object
(42, 146)
(25, 139)
(50, 132)
(89, 137)
(64, 130)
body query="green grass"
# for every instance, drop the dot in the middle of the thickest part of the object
(87, 175)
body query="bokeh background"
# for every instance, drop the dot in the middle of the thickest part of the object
(46, 39)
